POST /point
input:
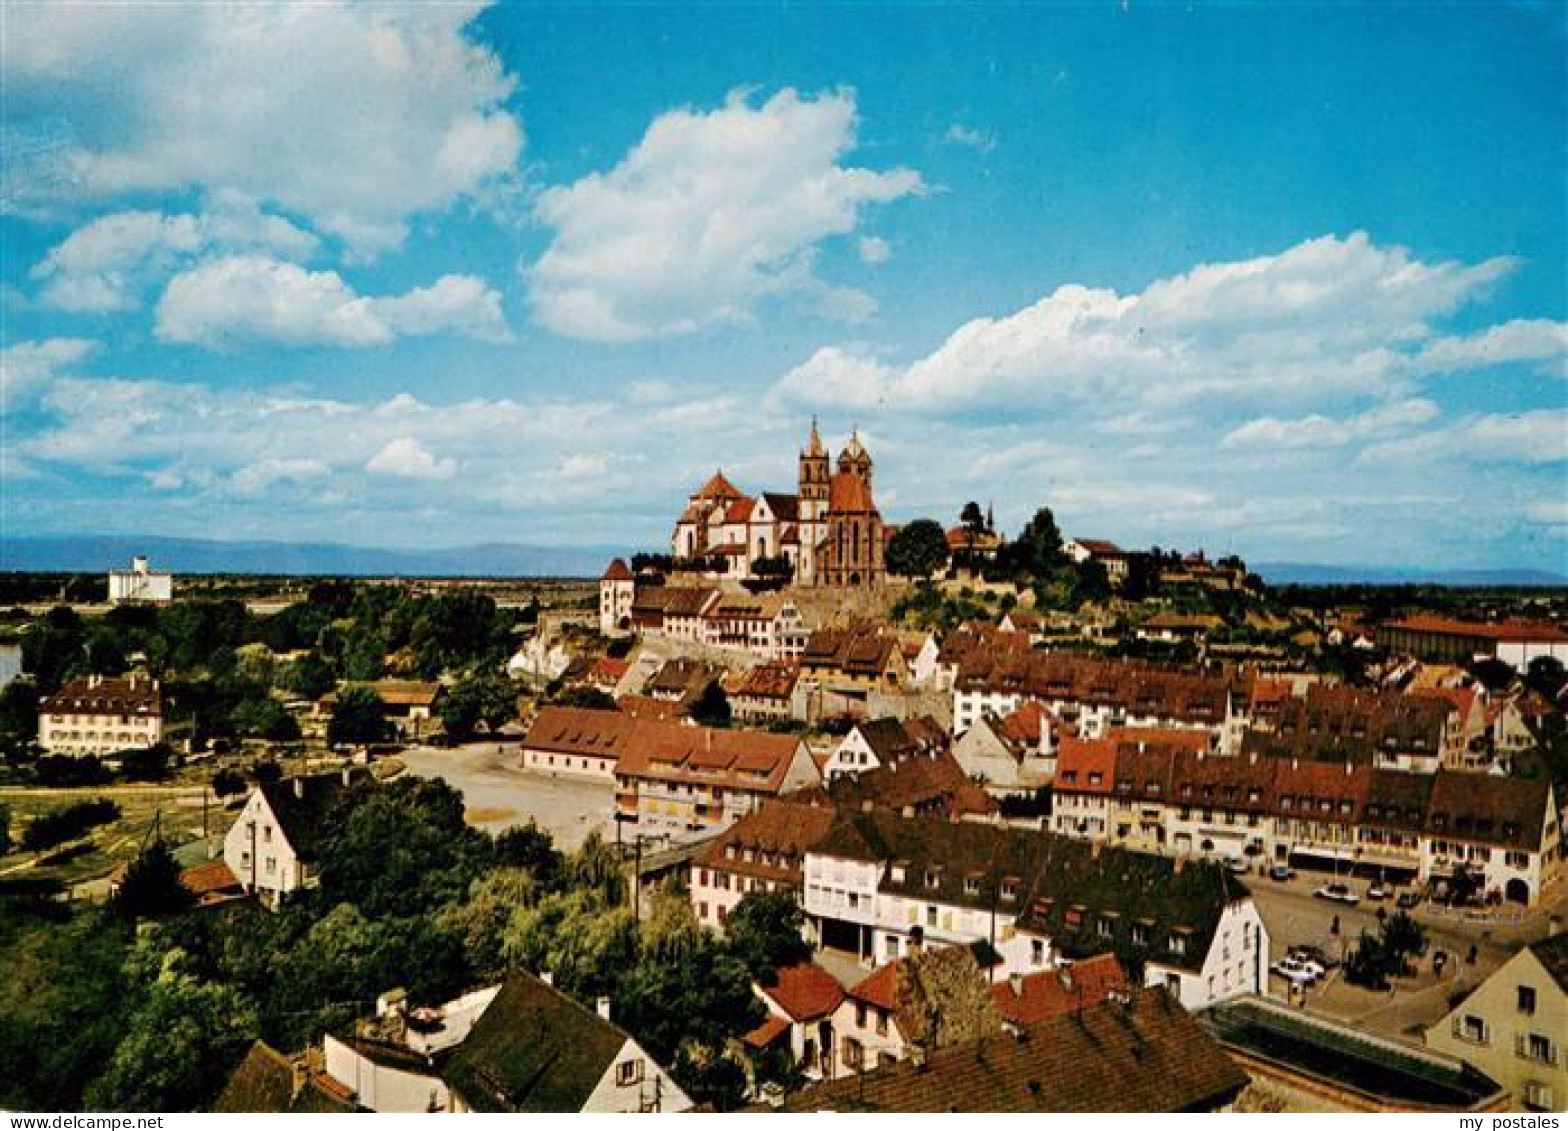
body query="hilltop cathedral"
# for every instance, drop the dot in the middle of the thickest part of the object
(829, 533)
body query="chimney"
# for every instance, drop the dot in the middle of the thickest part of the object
(1177, 865)
(346, 775)
(602, 1007)
(299, 788)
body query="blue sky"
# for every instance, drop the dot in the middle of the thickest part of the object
(1285, 280)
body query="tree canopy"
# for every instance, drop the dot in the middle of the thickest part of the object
(918, 549)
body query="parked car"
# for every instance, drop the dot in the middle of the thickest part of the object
(1338, 893)
(1314, 954)
(1306, 962)
(1377, 892)
(1280, 873)
(1294, 972)
(1408, 900)
(1237, 865)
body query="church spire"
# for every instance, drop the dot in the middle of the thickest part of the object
(814, 444)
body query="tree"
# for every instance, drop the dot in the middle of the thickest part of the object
(596, 868)
(358, 718)
(309, 677)
(585, 944)
(146, 763)
(18, 714)
(152, 885)
(402, 848)
(1038, 551)
(178, 1048)
(712, 707)
(590, 698)
(263, 717)
(5, 828)
(486, 697)
(481, 920)
(972, 517)
(763, 932)
(1403, 938)
(530, 847)
(227, 782)
(918, 549)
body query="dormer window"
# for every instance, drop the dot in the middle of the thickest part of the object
(1009, 889)
(933, 878)
(898, 873)
(1178, 944)
(971, 885)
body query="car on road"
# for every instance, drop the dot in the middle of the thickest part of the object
(1280, 873)
(1408, 900)
(1294, 972)
(1338, 893)
(1377, 892)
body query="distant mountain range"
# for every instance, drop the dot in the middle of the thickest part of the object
(91, 553)
(88, 553)
(1298, 573)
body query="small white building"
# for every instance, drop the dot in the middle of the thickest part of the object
(140, 585)
(271, 847)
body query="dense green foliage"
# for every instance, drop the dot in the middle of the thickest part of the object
(919, 549)
(50, 829)
(93, 1012)
(358, 718)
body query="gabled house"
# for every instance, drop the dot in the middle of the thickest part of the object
(881, 742)
(928, 999)
(1146, 1054)
(265, 1082)
(1010, 755)
(801, 1001)
(271, 847)
(1514, 1026)
(763, 851)
(534, 1049)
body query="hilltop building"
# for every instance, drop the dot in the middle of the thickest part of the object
(829, 533)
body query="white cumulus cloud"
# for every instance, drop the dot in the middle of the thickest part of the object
(1319, 431)
(238, 300)
(358, 116)
(407, 458)
(1330, 316)
(104, 265)
(26, 368)
(708, 215)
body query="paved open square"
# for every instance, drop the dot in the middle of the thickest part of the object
(499, 794)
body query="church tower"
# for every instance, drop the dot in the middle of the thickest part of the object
(814, 469)
(855, 460)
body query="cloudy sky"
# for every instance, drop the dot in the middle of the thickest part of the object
(1290, 281)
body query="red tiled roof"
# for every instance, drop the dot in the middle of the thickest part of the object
(1510, 631)
(1077, 758)
(805, 991)
(848, 494)
(208, 879)
(765, 1034)
(718, 487)
(740, 510)
(776, 835)
(879, 988)
(1056, 993)
(617, 571)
